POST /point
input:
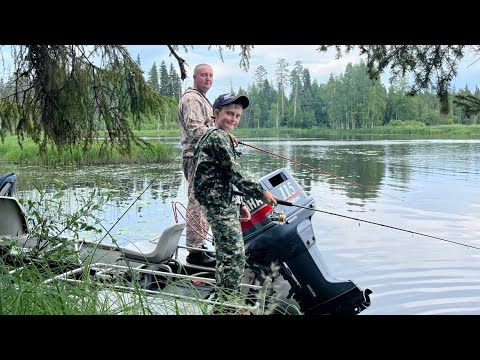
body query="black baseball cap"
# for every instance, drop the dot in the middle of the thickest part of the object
(229, 98)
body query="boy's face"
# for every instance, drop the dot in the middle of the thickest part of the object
(228, 117)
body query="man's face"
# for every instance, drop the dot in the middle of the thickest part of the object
(203, 79)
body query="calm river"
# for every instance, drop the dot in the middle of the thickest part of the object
(430, 187)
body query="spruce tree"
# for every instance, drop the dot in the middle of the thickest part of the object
(67, 95)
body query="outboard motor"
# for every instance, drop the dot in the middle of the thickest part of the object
(286, 237)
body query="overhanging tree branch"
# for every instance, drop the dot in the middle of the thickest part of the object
(431, 66)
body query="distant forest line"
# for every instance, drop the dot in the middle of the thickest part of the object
(292, 100)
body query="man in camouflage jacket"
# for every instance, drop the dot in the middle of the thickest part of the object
(195, 117)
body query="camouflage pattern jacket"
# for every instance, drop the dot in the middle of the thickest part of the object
(217, 170)
(195, 117)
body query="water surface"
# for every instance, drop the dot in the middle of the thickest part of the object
(430, 187)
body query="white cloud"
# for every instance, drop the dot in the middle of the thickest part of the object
(228, 73)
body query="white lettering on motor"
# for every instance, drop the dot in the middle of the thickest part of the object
(295, 199)
(253, 203)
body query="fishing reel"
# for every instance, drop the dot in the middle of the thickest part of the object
(277, 217)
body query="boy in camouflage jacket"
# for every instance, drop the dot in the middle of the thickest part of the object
(217, 171)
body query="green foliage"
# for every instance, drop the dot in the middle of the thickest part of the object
(65, 94)
(410, 123)
(347, 101)
(24, 281)
(156, 152)
(164, 80)
(48, 217)
(25, 293)
(401, 127)
(31, 285)
(470, 104)
(153, 78)
(431, 66)
(70, 97)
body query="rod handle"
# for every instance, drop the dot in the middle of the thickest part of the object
(283, 202)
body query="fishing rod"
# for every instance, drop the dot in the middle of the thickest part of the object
(108, 232)
(287, 203)
(319, 170)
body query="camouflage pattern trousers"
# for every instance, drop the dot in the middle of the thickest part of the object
(195, 216)
(229, 247)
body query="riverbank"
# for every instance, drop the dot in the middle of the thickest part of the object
(28, 154)
(10, 151)
(411, 128)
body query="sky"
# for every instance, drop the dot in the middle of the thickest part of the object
(228, 73)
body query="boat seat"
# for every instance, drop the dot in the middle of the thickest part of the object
(12, 218)
(5, 189)
(7, 184)
(157, 250)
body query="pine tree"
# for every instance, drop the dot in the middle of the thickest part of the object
(175, 83)
(153, 78)
(164, 80)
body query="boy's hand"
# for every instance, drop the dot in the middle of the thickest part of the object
(269, 199)
(245, 213)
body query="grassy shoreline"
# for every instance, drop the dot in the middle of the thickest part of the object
(10, 151)
(448, 131)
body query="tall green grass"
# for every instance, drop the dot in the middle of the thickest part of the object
(30, 288)
(11, 152)
(33, 279)
(28, 154)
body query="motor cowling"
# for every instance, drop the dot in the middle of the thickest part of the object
(292, 246)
